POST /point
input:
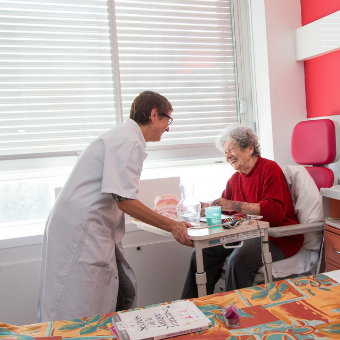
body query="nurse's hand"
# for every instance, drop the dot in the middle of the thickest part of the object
(180, 232)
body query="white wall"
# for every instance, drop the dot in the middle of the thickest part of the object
(19, 277)
(286, 75)
(286, 96)
(260, 81)
(280, 88)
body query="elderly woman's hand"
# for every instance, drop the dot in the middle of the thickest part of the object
(203, 205)
(225, 204)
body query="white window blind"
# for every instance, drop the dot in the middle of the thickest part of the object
(57, 90)
(56, 84)
(183, 50)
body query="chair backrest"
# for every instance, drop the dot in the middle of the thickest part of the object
(317, 143)
(314, 143)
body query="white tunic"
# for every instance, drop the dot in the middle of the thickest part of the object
(79, 275)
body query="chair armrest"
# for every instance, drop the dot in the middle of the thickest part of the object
(295, 229)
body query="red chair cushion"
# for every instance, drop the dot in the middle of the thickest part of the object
(314, 142)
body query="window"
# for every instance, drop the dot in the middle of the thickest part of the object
(71, 68)
(183, 50)
(57, 90)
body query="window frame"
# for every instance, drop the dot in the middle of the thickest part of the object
(174, 155)
(244, 94)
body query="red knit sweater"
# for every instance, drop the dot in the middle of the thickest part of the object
(266, 184)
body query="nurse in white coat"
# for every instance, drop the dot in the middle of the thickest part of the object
(83, 269)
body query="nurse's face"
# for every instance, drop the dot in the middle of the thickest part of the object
(161, 125)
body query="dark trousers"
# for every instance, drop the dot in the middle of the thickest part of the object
(126, 291)
(242, 265)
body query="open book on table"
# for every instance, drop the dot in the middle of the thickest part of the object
(159, 322)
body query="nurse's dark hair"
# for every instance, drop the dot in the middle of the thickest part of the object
(144, 103)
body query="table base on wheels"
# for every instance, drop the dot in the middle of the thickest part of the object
(214, 236)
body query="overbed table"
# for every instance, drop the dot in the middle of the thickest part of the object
(299, 308)
(210, 237)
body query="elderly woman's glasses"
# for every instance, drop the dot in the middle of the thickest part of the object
(167, 116)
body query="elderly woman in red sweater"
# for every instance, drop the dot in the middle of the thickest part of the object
(258, 187)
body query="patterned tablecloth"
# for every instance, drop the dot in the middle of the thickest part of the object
(299, 308)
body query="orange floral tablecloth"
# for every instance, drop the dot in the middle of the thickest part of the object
(299, 308)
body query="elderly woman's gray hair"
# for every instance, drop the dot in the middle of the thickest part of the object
(242, 135)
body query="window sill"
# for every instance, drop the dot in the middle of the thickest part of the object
(28, 235)
(19, 236)
(33, 235)
(215, 176)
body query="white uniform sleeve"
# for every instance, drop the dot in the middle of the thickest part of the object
(123, 164)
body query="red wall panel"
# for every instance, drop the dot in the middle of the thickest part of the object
(312, 10)
(322, 81)
(322, 74)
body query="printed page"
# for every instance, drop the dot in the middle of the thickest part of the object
(160, 321)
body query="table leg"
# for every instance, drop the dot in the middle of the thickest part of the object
(201, 277)
(267, 256)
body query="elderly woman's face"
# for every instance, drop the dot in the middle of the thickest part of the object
(240, 160)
